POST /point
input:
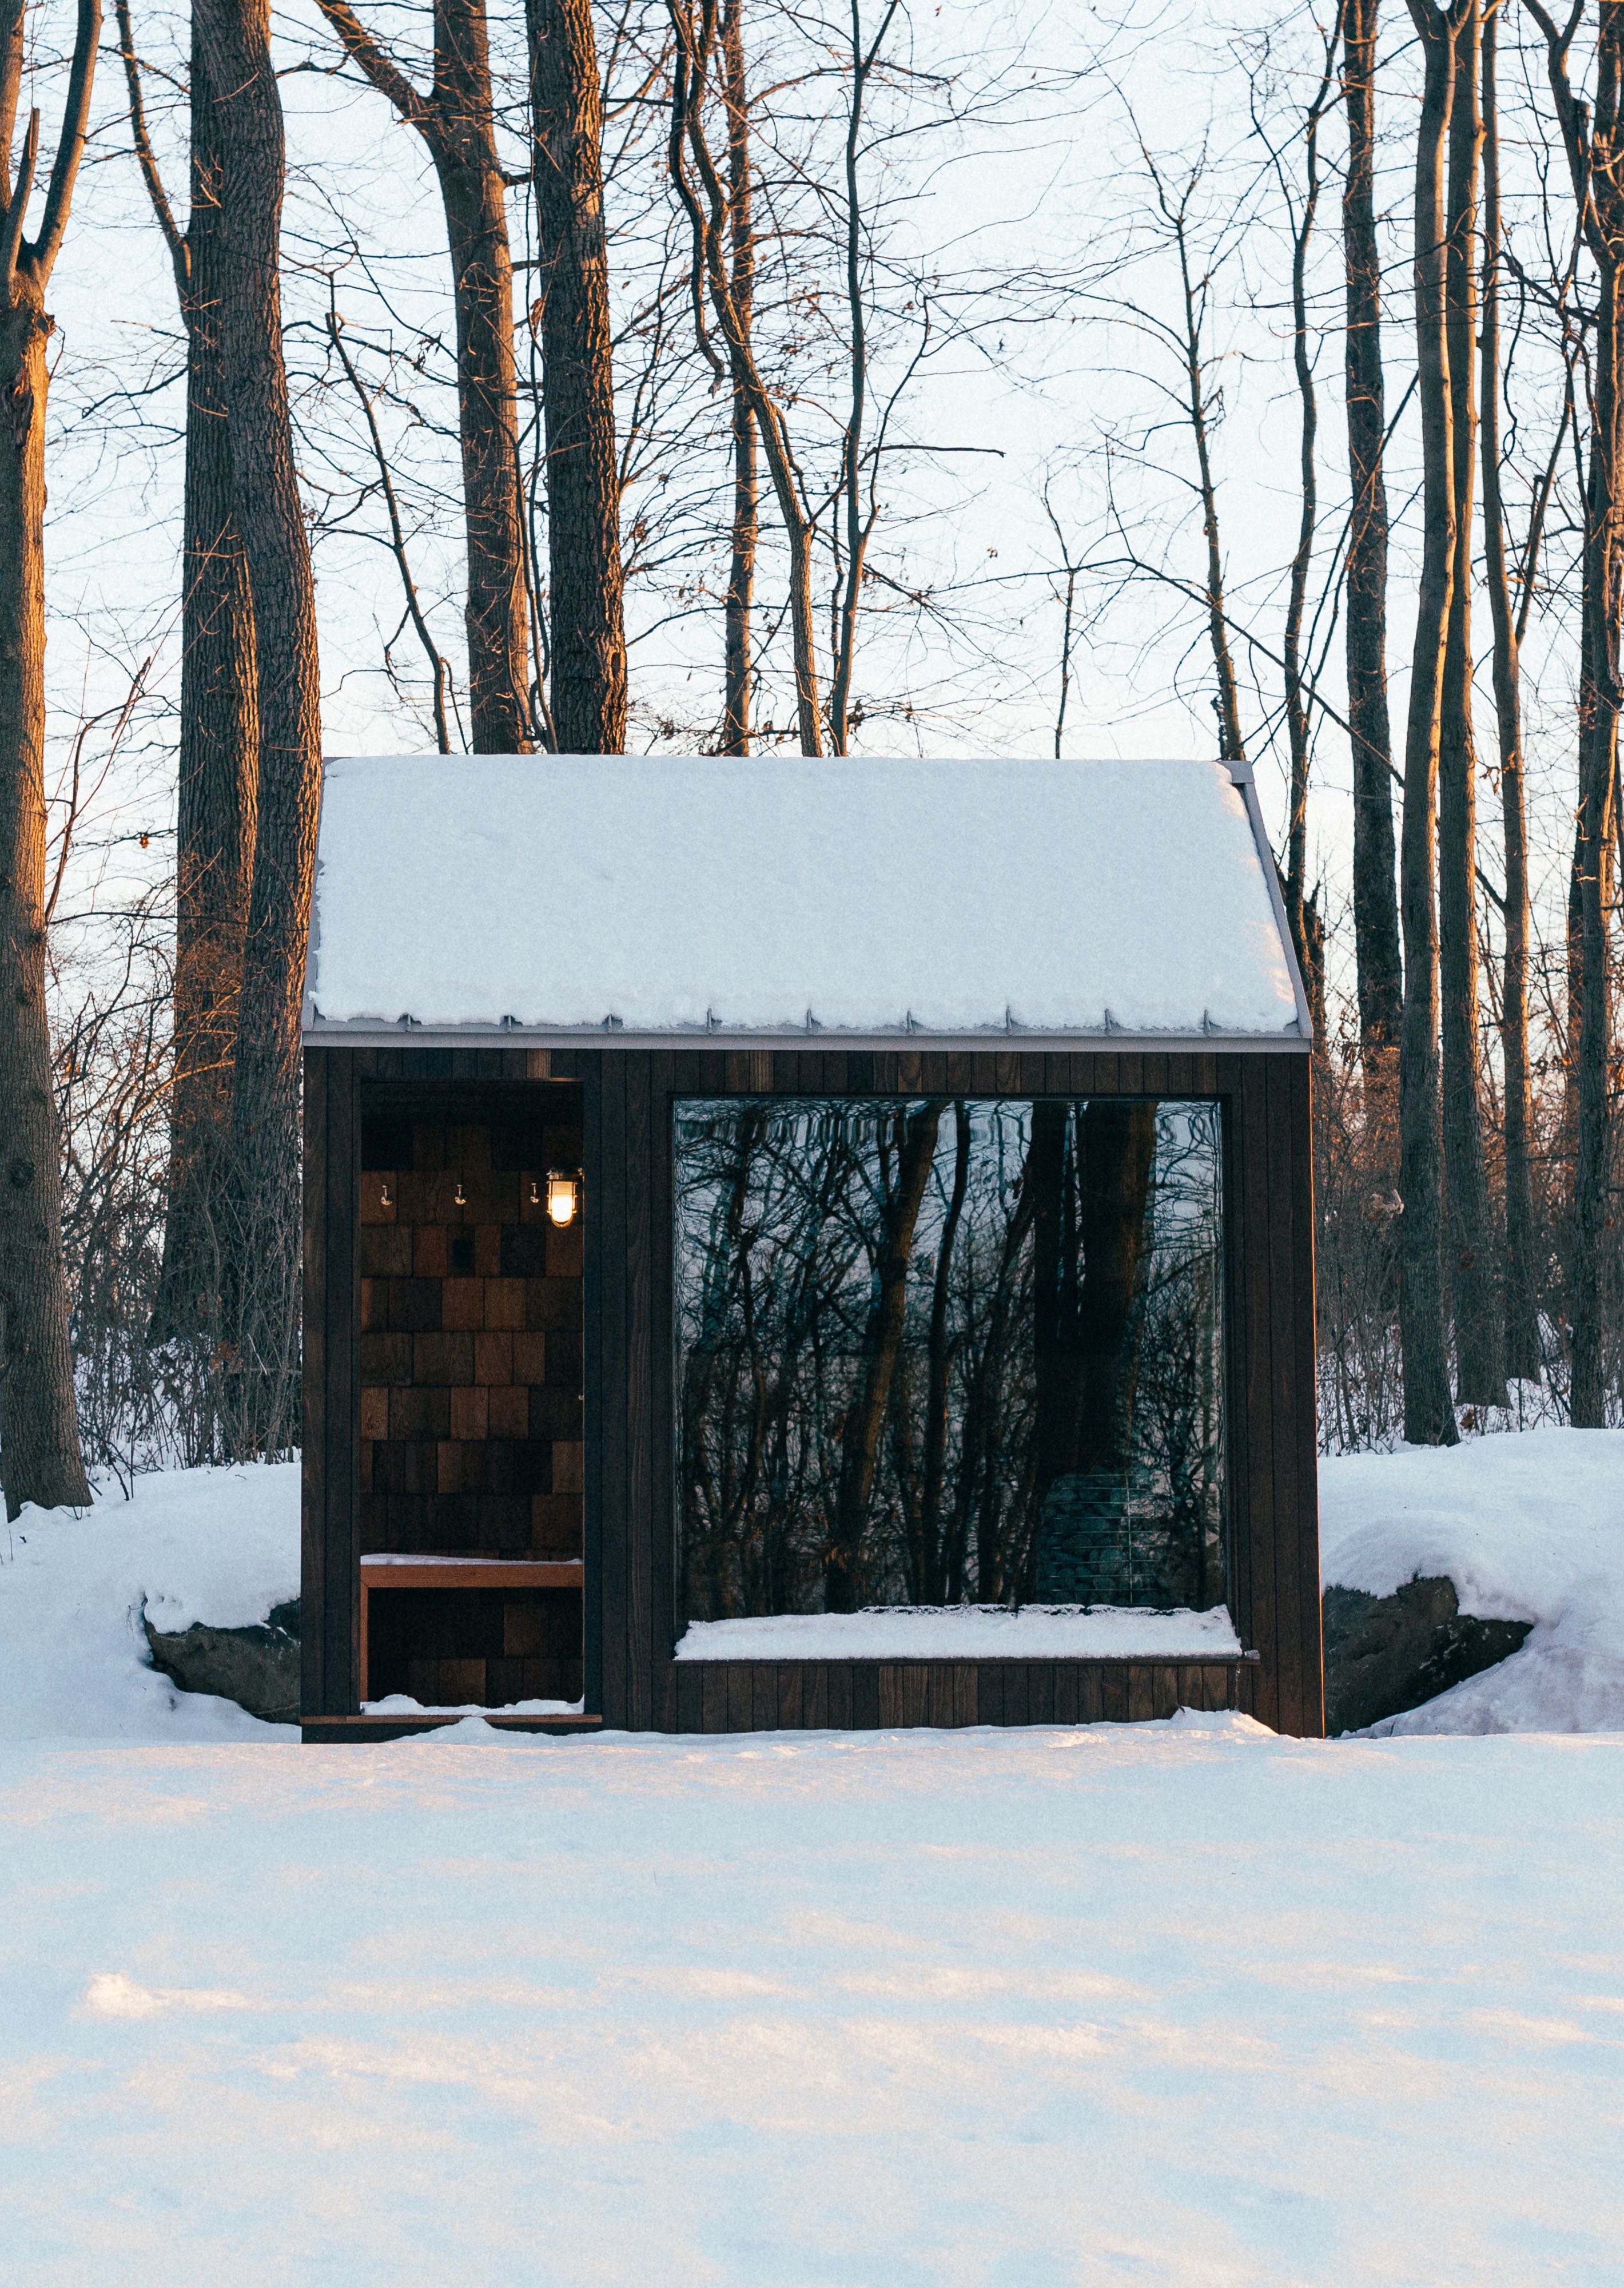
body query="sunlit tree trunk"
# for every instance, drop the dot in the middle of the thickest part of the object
(40, 1456)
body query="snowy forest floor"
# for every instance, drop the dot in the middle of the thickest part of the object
(1181, 2003)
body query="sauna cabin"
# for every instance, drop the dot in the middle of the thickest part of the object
(804, 1244)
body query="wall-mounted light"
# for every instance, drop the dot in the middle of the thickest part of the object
(563, 1195)
(460, 1199)
(384, 1199)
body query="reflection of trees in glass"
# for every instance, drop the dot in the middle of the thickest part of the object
(948, 1349)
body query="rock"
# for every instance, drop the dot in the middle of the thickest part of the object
(257, 1667)
(1383, 1655)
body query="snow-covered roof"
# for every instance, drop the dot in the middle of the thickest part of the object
(549, 897)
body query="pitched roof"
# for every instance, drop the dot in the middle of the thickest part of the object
(552, 897)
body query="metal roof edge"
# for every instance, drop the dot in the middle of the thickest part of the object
(362, 1033)
(1246, 786)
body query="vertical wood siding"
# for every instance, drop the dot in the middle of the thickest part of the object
(631, 1679)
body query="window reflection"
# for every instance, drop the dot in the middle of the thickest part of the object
(948, 1349)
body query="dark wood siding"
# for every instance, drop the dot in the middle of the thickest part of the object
(631, 1680)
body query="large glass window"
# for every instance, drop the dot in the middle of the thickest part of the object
(947, 1350)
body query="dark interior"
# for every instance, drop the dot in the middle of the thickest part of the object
(471, 1400)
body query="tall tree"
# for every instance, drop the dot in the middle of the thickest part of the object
(1522, 1331)
(1375, 904)
(1468, 1247)
(1593, 140)
(572, 310)
(456, 122)
(746, 482)
(219, 742)
(40, 1458)
(263, 1187)
(1429, 1415)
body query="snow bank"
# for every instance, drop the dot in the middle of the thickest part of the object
(1171, 2002)
(967, 1632)
(217, 1546)
(1528, 1526)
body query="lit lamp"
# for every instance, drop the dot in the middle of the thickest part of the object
(563, 1195)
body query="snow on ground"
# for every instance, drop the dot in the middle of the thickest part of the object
(1528, 1526)
(218, 1546)
(1179, 2003)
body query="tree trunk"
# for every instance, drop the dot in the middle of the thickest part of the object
(1375, 905)
(588, 637)
(1594, 145)
(40, 1456)
(264, 1181)
(860, 1440)
(1522, 1330)
(1468, 1247)
(457, 124)
(1429, 1416)
(220, 762)
(746, 485)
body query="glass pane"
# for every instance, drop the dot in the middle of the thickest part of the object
(947, 1350)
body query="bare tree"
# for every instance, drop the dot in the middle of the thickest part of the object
(1593, 139)
(1469, 1248)
(233, 44)
(572, 313)
(457, 122)
(746, 482)
(1522, 1333)
(1429, 1415)
(40, 1456)
(219, 740)
(1375, 906)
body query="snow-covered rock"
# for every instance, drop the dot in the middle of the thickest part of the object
(1529, 1526)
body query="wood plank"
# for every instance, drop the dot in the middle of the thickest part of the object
(690, 1695)
(741, 1694)
(989, 1692)
(1066, 1692)
(1305, 1352)
(340, 1619)
(891, 1694)
(1040, 1692)
(837, 1694)
(639, 1392)
(1090, 1705)
(791, 1674)
(815, 1696)
(966, 1710)
(1018, 1691)
(764, 1696)
(664, 1688)
(1113, 1691)
(1283, 1396)
(313, 1482)
(1258, 1523)
(1165, 1690)
(586, 1067)
(1141, 1691)
(938, 1696)
(865, 1696)
(713, 1698)
(915, 1693)
(610, 1249)
(383, 1571)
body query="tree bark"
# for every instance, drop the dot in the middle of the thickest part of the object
(746, 483)
(859, 1442)
(219, 756)
(40, 1456)
(1522, 1330)
(1375, 905)
(588, 628)
(457, 122)
(1468, 1246)
(1429, 1416)
(1593, 140)
(234, 39)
